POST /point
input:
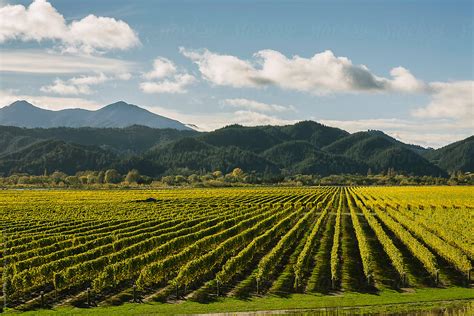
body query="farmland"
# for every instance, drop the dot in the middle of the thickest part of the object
(88, 248)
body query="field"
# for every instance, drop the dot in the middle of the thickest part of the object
(235, 249)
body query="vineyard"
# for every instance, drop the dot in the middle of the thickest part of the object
(93, 248)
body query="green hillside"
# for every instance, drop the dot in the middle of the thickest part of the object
(303, 148)
(458, 156)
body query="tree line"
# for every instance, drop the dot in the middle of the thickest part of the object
(237, 177)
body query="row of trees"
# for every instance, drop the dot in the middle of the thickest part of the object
(237, 176)
(82, 178)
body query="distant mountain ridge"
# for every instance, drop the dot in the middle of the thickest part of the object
(119, 114)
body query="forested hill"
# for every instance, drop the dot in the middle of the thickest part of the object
(454, 157)
(303, 148)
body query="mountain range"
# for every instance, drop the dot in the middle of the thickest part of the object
(306, 147)
(119, 114)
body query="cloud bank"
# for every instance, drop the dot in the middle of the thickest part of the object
(323, 73)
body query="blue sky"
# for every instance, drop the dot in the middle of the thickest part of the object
(404, 67)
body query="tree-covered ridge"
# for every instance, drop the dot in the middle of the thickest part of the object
(382, 152)
(275, 151)
(56, 155)
(260, 138)
(129, 140)
(301, 157)
(193, 154)
(458, 156)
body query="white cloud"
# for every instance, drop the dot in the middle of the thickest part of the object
(224, 70)
(171, 80)
(40, 62)
(102, 33)
(48, 102)
(81, 85)
(63, 88)
(454, 100)
(41, 21)
(124, 76)
(253, 105)
(251, 118)
(176, 85)
(323, 73)
(162, 67)
(404, 81)
(89, 80)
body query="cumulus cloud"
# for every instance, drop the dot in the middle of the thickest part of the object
(454, 100)
(41, 21)
(81, 85)
(224, 70)
(323, 73)
(162, 67)
(253, 105)
(404, 81)
(170, 79)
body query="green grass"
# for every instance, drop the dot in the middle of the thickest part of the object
(386, 300)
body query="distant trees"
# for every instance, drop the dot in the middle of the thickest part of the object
(92, 178)
(101, 177)
(112, 176)
(217, 174)
(133, 176)
(57, 176)
(194, 178)
(72, 180)
(237, 173)
(236, 177)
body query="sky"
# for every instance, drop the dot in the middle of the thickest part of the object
(403, 67)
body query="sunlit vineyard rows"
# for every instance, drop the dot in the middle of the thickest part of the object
(109, 247)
